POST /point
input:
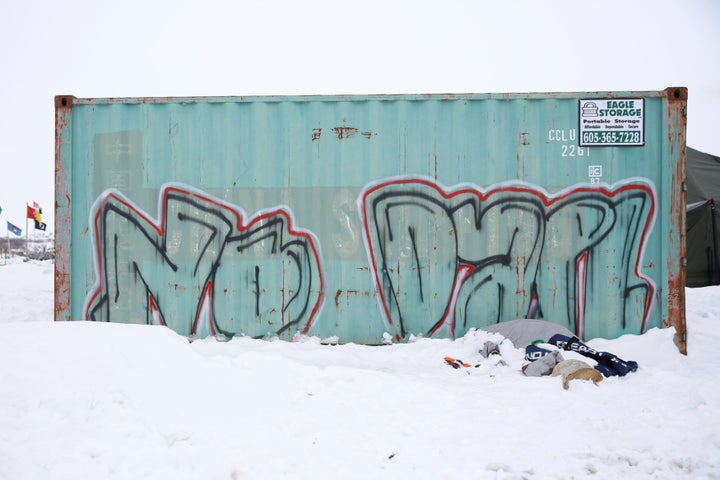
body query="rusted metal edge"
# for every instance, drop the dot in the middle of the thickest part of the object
(63, 177)
(468, 96)
(676, 98)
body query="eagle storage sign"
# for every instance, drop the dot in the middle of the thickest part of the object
(611, 122)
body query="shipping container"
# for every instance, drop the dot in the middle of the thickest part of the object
(373, 218)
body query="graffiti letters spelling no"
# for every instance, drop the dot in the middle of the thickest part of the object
(445, 260)
(202, 269)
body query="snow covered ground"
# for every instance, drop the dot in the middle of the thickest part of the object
(109, 401)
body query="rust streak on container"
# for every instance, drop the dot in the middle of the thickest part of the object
(677, 105)
(344, 132)
(337, 298)
(347, 294)
(63, 112)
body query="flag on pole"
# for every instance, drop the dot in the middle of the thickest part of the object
(16, 230)
(39, 225)
(35, 213)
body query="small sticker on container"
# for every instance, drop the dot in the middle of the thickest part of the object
(611, 122)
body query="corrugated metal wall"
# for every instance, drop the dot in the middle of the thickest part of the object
(367, 217)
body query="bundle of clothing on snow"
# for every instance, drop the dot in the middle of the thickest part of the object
(542, 361)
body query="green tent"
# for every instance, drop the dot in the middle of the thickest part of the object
(703, 219)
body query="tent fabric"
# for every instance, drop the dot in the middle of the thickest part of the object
(524, 331)
(703, 176)
(703, 219)
(702, 245)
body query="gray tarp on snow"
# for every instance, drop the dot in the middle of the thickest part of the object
(524, 331)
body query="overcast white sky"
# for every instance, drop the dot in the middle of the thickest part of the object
(97, 48)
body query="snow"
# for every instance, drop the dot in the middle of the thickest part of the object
(112, 401)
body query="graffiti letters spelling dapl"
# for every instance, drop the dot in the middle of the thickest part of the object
(203, 268)
(447, 260)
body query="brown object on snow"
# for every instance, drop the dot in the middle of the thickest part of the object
(576, 370)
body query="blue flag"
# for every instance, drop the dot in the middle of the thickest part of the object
(16, 230)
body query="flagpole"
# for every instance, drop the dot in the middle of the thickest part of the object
(8, 245)
(7, 254)
(26, 230)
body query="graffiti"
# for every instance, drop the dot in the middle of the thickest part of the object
(447, 260)
(442, 260)
(204, 268)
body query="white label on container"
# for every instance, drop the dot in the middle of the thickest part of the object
(611, 122)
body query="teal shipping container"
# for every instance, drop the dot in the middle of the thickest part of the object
(373, 218)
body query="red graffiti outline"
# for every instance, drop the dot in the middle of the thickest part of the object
(160, 228)
(462, 272)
